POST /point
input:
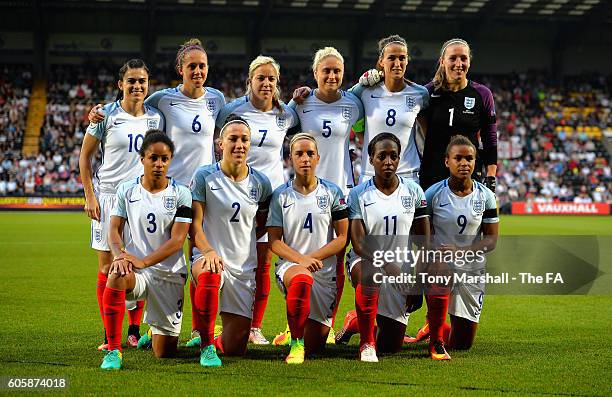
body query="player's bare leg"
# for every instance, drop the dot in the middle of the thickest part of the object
(315, 337)
(235, 335)
(164, 346)
(390, 336)
(462, 334)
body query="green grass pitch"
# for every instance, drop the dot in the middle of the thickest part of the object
(526, 345)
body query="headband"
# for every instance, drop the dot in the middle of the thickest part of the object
(451, 42)
(189, 48)
(382, 50)
(234, 121)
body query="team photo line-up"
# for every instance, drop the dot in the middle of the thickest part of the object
(182, 164)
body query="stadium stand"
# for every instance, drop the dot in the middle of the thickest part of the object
(551, 136)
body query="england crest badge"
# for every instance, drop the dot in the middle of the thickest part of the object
(211, 105)
(410, 103)
(281, 121)
(407, 202)
(98, 235)
(346, 113)
(152, 124)
(478, 206)
(253, 193)
(169, 202)
(323, 202)
(469, 102)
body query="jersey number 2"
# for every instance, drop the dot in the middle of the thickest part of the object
(234, 217)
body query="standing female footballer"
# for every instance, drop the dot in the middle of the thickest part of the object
(461, 209)
(119, 135)
(458, 106)
(386, 205)
(390, 105)
(190, 111)
(150, 264)
(230, 200)
(330, 114)
(270, 121)
(307, 227)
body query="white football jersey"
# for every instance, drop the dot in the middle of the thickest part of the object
(150, 217)
(190, 123)
(307, 220)
(121, 135)
(457, 220)
(268, 130)
(385, 215)
(331, 125)
(229, 214)
(393, 112)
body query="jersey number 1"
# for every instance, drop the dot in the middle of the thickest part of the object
(450, 118)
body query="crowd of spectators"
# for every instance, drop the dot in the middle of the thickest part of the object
(555, 131)
(558, 133)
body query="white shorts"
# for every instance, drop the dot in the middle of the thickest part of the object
(164, 310)
(391, 301)
(263, 239)
(99, 230)
(237, 293)
(237, 290)
(322, 295)
(466, 301)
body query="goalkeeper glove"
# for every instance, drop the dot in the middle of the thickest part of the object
(490, 182)
(371, 77)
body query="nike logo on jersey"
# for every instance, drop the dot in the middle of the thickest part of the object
(308, 111)
(374, 96)
(173, 104)
(435, 96)
(287, 205)
(119, 122)
(444, 205)
(133, 201)
(369, 204)
(216, 188)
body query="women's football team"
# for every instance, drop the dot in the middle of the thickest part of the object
(239, 210)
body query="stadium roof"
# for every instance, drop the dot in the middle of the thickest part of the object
(473, 9)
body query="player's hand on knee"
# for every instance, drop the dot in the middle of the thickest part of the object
(371, 77)
(134, 260)
(311, 264)
(96, 114)
(120, 267)
(300, 94)
(213, 262)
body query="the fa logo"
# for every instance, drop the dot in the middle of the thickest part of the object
(152, 124)
(98, 235)
(407, 202)
(469, 102)
(346, 113)
(253, 193)
(211, 105)
(410, 103)
(281, 121)
(478, 206)
(169, 202)
(323, 202)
